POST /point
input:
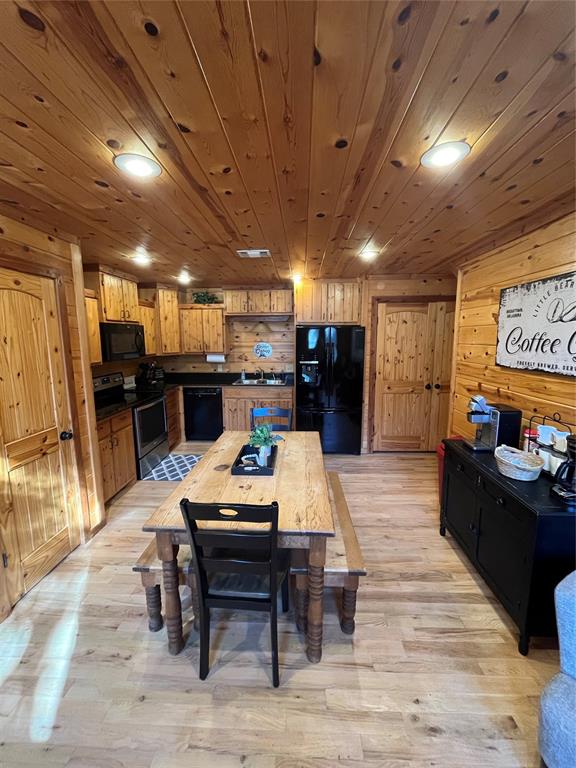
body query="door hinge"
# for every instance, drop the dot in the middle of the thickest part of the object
(4, 559)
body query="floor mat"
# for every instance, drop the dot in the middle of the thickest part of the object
(174, 467)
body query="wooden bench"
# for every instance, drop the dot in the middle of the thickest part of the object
(344, 562)
(150, 569)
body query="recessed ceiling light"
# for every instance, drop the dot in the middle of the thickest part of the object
(184, 277)
(138, 165)
(445, 154)
(296, 279)
(369, 255)
(141, 257)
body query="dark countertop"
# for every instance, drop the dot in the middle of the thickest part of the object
(130, 400)
(533, 494)
(215, 379)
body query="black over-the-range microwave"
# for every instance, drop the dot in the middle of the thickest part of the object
(122, 341)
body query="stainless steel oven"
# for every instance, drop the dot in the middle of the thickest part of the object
(122, 341)
(150, 435)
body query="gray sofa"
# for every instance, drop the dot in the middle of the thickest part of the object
(558, 703)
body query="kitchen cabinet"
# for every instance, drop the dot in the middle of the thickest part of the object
(174, 416)
(93, 330)
(518, 537)
(258, 302)
(117, 456)
(323, 301)
(168, 322)
(202, 330)
(281, 301)
(118, 296)
(148, 320)
(238, 402)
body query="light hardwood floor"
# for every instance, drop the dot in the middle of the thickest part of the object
(431, 677)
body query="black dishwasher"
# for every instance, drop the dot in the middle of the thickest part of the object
(203, 413)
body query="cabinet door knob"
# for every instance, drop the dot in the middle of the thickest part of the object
(460, 467)
(66, 435)
(436, 386)
(501, 501)
(428, 386)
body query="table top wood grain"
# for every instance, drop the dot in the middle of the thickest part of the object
(299, 486)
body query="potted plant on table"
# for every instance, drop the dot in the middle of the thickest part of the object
(262, 438)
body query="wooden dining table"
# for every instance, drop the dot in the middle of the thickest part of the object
(300, 487)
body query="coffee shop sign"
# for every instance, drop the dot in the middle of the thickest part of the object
(537, 326)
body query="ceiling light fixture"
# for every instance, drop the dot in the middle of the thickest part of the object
(141, 257)
(369, 255)
(184, 277)
(296, 279)
(138, 165)
(445, 154)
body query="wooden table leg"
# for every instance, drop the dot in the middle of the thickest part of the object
(301, 600)
(347, 623)
(168, 554)
(316, 562)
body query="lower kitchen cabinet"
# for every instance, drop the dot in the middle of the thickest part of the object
(239, 401)
(518, 537)
(117, 456)
(174, 417)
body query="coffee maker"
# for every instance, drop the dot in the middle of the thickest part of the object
(499, 424)
(565, 477)
(150, 377)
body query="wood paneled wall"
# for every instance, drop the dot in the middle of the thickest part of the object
(543, 253)
(392, 286)
(20, 247)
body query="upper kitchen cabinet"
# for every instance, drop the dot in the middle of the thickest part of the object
(281, 302)
(202, 330)
(148, 320)
(93, 328)
(118, 296)
(258, 302)
(168, 322)
(327, 301)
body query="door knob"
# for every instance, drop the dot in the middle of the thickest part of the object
(428, 386)
(436, 386)
(66, 435)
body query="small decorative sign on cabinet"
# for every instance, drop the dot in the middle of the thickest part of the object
(537, 326)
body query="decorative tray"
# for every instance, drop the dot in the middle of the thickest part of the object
(254, 470)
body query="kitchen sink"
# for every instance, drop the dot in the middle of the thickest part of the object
(259, 382)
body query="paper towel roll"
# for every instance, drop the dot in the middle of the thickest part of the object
(215, 358)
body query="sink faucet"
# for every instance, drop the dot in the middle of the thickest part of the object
(261, 372)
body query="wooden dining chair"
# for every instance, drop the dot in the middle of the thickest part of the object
(263, 416)
(240, 569)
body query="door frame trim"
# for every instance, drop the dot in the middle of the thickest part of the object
(385, 299)
(19, 264)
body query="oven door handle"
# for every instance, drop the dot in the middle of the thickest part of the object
(151, 405)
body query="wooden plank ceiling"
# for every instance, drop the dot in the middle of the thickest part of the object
(293, 126)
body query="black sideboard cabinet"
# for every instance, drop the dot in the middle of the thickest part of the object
(521, 539)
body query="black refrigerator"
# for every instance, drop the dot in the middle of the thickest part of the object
(329, 384)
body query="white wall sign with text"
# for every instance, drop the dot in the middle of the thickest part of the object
(537, 326)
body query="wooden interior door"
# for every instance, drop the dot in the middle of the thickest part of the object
(443, 314)
(112, 297)
(411, 391)
(39, 488)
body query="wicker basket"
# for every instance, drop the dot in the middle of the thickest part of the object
(518, 465)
